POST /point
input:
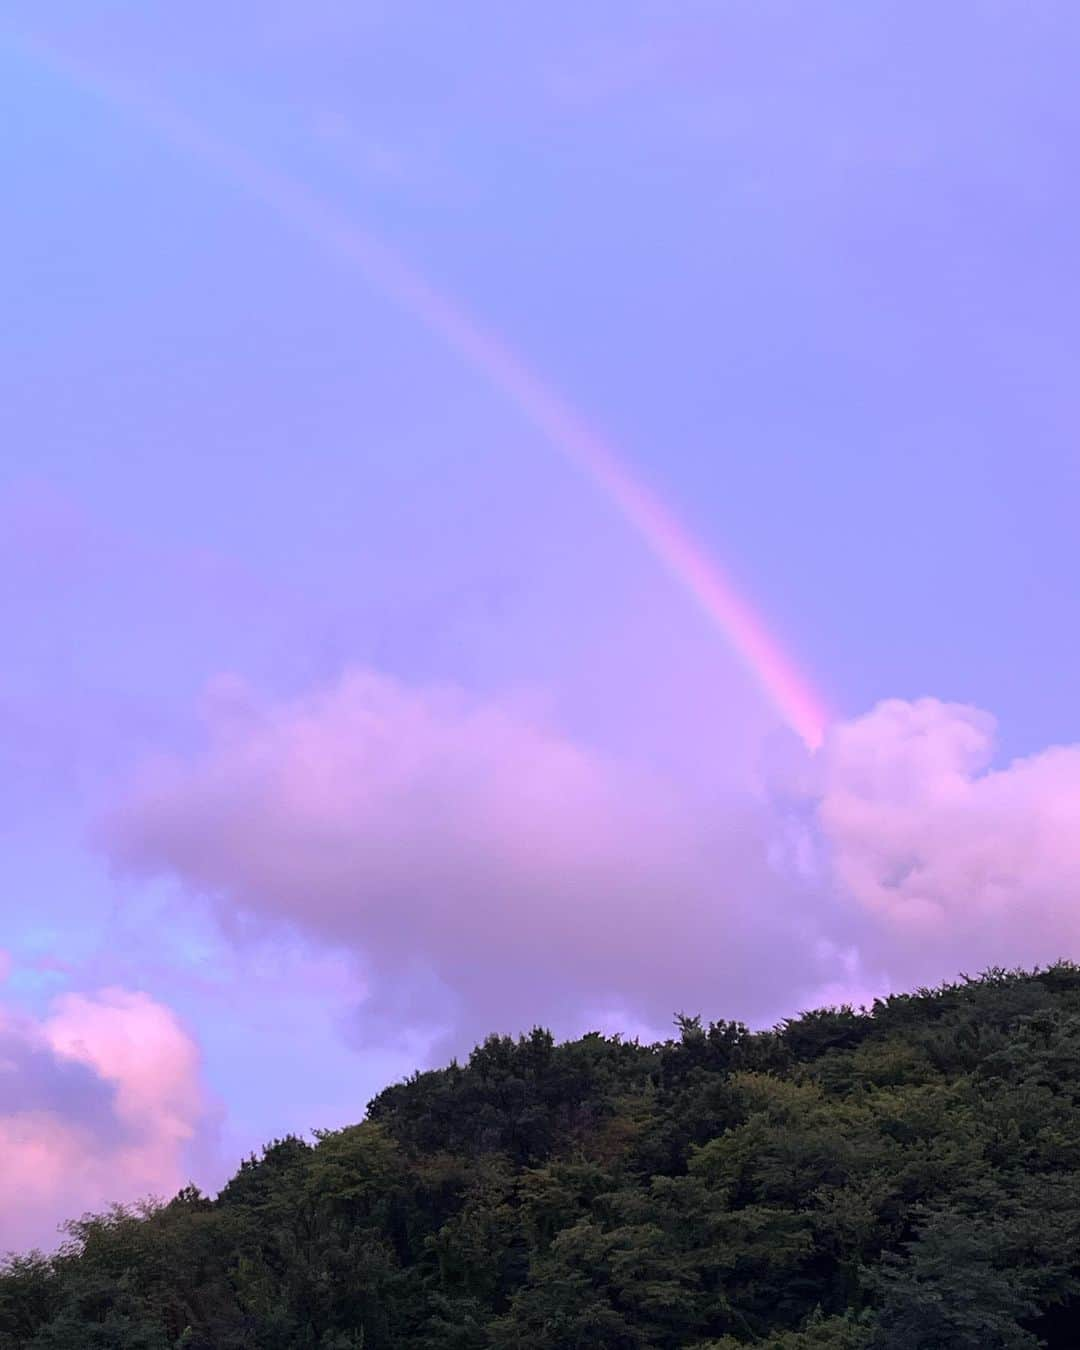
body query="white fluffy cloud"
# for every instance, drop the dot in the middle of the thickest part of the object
(491, 872)
(960, 864)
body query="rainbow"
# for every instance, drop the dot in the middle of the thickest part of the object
(784, 685)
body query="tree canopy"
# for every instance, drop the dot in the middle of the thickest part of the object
(900, 1177)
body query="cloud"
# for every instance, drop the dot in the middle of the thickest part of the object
(99, 1102)
(490, 870)
(959, 864)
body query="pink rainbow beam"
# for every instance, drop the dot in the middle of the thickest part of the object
(784, 685)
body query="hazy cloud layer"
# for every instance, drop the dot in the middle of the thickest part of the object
(99, 1102)
(490, 870)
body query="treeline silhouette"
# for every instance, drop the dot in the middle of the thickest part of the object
(903, 1177)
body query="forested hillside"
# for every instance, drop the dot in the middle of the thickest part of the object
(907, 1177)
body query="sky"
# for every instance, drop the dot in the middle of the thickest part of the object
(452, 458)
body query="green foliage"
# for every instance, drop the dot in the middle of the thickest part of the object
(903, 1178)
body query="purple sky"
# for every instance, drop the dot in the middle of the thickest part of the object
(343, 721)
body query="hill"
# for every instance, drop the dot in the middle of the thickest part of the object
(899, 1178)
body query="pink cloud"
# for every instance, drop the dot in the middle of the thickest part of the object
(490, 872)
(99, 1102)
(486, 866)
(960, 864)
